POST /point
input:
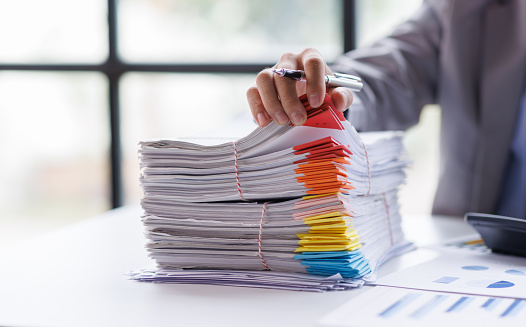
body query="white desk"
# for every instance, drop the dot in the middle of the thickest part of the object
(75, 277)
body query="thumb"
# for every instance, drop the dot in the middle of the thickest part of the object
(341, 97)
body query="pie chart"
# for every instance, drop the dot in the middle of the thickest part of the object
(516, 272)
(475, 268)
(501, 284)
(491, 283)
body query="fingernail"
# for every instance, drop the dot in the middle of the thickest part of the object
(297, 118)
(262, 119)
(314, 100)
(281, 117)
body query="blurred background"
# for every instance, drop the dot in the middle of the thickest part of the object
(83, 81)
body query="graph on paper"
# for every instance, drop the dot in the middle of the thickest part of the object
(386, 306)
(427, 303)
(474, 273)
(465, 284)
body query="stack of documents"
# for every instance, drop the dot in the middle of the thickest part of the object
(249, 278)
(313, 206)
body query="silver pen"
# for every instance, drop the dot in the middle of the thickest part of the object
(352, 82)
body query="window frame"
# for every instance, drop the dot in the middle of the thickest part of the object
(113, 68)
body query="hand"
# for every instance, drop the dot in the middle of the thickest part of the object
(276, 98)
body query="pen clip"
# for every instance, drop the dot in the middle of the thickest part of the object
(347, 77)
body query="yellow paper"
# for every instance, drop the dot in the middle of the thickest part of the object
(343, 219)
(347, 235)
(353, 247)
(349, 241)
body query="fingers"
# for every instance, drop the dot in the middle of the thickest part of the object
(287, 92)
(270, 98)
(276, 98)
(315, 71)
(256, 107)
(341, 97)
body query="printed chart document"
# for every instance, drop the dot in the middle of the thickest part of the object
(390, 306)
(467, 272)
(465, 284)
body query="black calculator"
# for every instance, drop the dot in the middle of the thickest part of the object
(500, 233)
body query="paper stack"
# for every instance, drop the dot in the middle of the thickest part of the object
(312, 207)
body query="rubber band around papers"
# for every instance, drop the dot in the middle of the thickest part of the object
(368, 167)
(260, 255)
(237, 172)
(387, 211)
(260, 234)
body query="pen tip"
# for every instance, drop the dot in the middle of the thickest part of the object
(279, 71)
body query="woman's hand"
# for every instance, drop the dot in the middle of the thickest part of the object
(274, 97)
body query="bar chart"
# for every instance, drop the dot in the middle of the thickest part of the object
(388, 306)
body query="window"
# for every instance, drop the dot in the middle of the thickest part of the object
(214, 50)
(54, 141)
(227, 32)
(82, 82)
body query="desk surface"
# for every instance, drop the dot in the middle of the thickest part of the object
(75, 277)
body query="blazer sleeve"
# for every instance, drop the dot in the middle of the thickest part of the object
(399, 74)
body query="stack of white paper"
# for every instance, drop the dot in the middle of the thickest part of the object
(248, 278)
(263, 166)
(318, 200)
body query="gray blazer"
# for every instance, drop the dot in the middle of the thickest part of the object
(469, 56)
